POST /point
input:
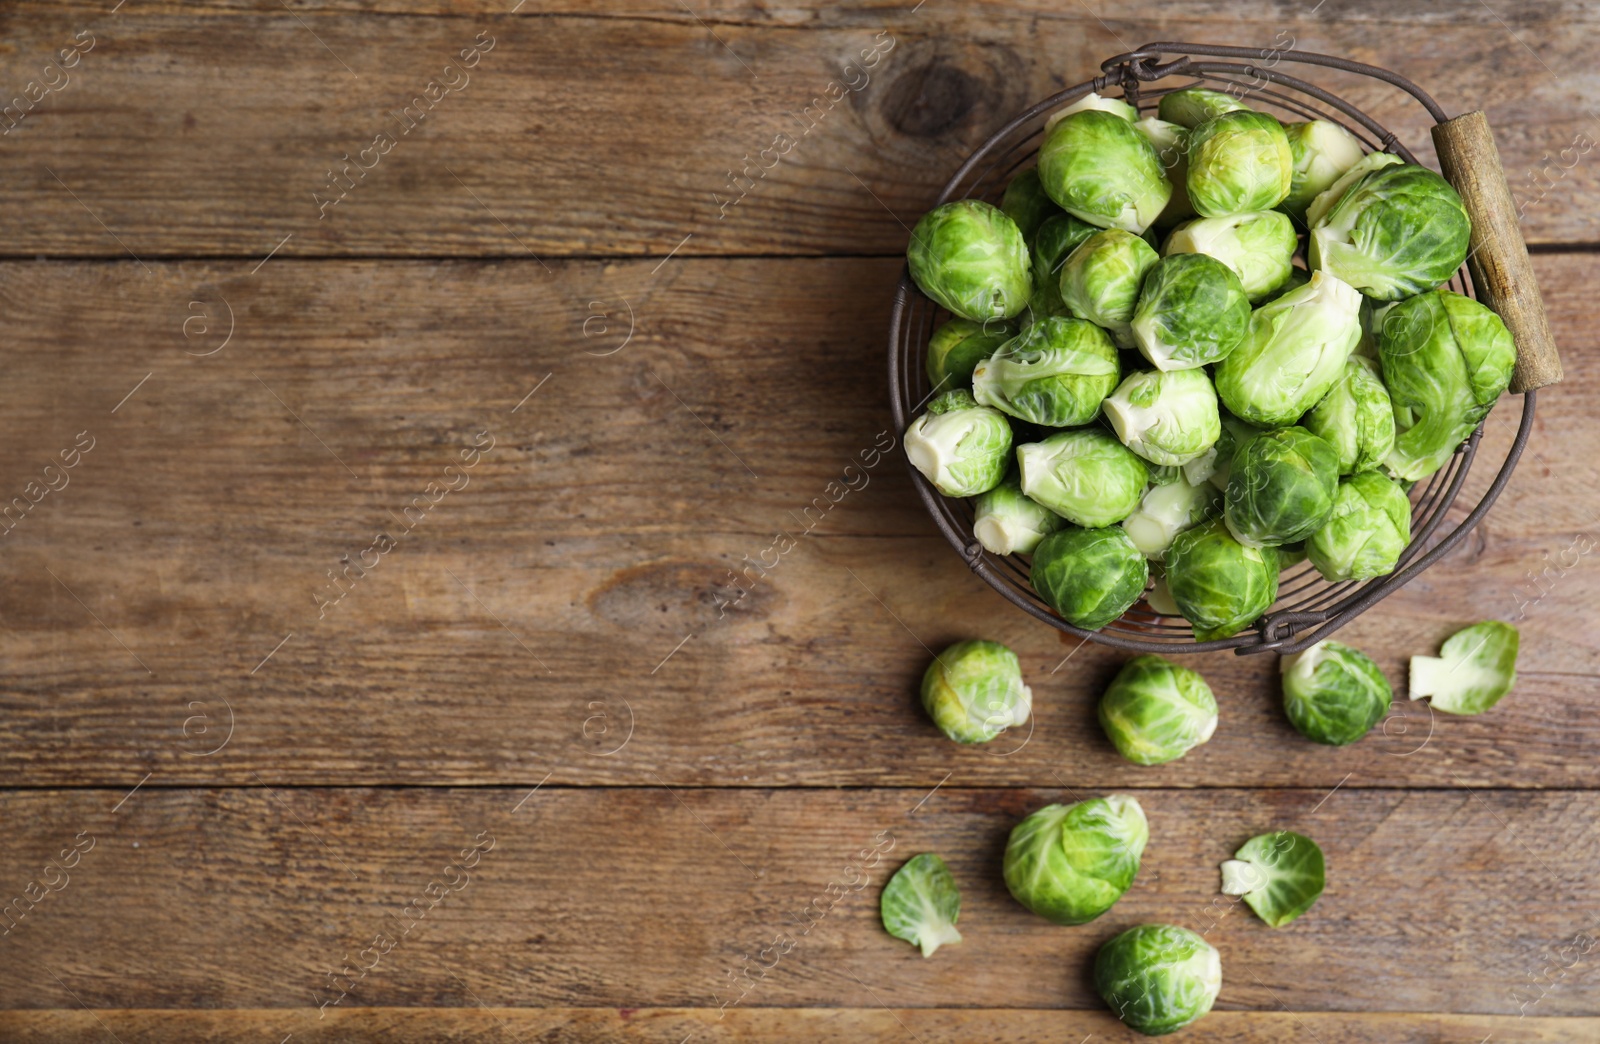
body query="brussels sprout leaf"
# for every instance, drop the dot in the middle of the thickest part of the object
(1475, 668)
(1279, 875)
(920, 904)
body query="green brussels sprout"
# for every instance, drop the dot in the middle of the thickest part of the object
(970, 258)
(1070, 863)
(1369, 528)
(1398, 231)
(1355, 417)
(1281, 489)
(1089, 576)
(1115, 106)
(1323, 201)
(1258, 246)
(1055, 374)
(1293, 353)
(1166, 511)
(1055, 241)
(1446, 359)
(957, 347)
(1158, 978)
(1216, 463)
(1006, 522)
(1472, 672)
(1098, 168)
(1333, 694)
(1167, 418)
(1171, 142)
(959, 446)
(973, 691)
(1323, 151)
(921, 904)
(1219, 585)
(1239, 162)
(1192, 311)
(1026, 203)
(1156, 711)
(1279, 875)
(1192, 106)
(1100, 280)
(1086, 476)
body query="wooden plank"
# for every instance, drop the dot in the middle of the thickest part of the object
(611, 132)
(596, 536)
(642, 897)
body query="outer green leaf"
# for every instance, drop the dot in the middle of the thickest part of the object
(921, 903)
(1474, 670)
(1279, 874)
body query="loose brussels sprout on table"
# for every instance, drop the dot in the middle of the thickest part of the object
(1281, 488)
(1071, 863)
(1193, 106)
(957, 347)
(1192, 311)
(1056, 374)
(1089, 576)
(1098, 168)
(1219, 585)
(921, 904)
(1355, 417)
(1050, 247)
(1006, 522)
(1239, 162)
(970, 258)
(1367, 532)
(1323, 151)
(1167, 510)
(1279, 875)
(973, 691)
(1396, 231)
(959, 446)
(1166, 418)
(1473, 671)
(1085, 476)
(1259, 247)
(1026, 203)
(1156, 711)
(1293, 353)
(1100, 280)
(1333, 694)
(1158, 978)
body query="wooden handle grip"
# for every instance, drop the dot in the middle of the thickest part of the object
(1498, 257)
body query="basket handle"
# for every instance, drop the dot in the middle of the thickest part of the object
(1498, 257)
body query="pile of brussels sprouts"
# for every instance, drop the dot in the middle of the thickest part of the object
(1190, 403)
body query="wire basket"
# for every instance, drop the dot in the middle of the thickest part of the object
(1498, 272)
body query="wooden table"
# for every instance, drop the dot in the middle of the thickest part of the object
(370, 659)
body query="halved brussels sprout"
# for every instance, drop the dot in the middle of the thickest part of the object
(1055, 241)
(1472, 672)
(1006, 522)
(1158, 978)
(1219, 585)
(1192, 106)
(1398, 231)
(1259, 247)
(1167, 510)
(1100, 280)
(1115, 106)
(1192, 311)
(1282, 488)
(1369, 528)
(959, 446)
(1156, 711)
(973, 691)
(1446, 359)
(1089, 576)
(1026, 203)
(921, 904)
(1085, 476)
(1098, 168)
(1070, 863)
(1323, 151)
(1323, 201)
(970, 258)
(1239, 162)
(1293, 354)
(1167, 418)
(1056, 374)
(1171, 142)
(1355, 417)
(1333, 694)
(1279, 874)
(957, 347)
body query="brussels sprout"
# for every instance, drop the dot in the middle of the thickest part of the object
(1219, 585)
(973, 691)
(1446, 359)
(1472, 672)
(1100, 280)
(1070, 863)
(1026, 204)
(1007, 522)
(1166, 511)
(1115, 106)
(1192, 311)
(970, 258)
(1258, 246)
(1171, 142)
(958, 346)
(1158, 978)
(1166, 418)
(1085, 476)
(921, 903)
(1293, 354)
(1055, 374)
(1055, 241)
(1193, 106)
(1156, 711)
(1323, 151)
(1239, 161)
(1098, 168)
(1279, 874)
(959, 446)
(1397, 231)
(1355, 417)
(1333, 694)
(1324, 200)
(1369, 528)
(1216, 463)
(1089, 576)
(1282, 488)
